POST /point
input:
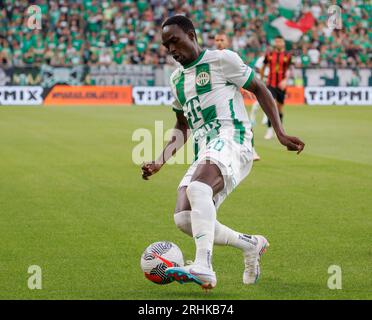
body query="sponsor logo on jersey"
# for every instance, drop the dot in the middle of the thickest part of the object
(205, 129)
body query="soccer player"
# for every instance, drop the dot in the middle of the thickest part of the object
(221, 41)
(278, 62)
(208, 101)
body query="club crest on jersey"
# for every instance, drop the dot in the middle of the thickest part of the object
(203, 78)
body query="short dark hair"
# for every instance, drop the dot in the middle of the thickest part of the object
(279, 37)
(183, 22)
(221, 33)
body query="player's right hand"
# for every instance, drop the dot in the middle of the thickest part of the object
(150, 168)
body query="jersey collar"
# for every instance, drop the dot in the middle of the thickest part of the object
(195, 61)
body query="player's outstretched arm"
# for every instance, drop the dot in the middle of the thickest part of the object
(179, 137)
(268, 105)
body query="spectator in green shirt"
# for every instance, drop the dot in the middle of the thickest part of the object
(135, 25)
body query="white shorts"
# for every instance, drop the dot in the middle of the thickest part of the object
(233, 159)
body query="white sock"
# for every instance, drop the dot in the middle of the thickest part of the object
(203, 218)
(270, 131)
(223, 235)
(264, 119)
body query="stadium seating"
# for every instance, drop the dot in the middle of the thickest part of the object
(127, 32)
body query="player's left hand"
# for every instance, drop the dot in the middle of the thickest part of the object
(292, 143)
(150, 168)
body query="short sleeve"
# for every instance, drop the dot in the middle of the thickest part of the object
(176, 106)
(235, 70)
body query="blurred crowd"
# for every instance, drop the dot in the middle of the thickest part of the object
(128, 32)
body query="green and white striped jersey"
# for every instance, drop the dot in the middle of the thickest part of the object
(208, 93)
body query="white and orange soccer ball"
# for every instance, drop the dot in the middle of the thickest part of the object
(157, 258)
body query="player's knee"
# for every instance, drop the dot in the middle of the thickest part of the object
(183, 222)
(197, 189)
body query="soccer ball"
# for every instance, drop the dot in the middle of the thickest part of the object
(157, 258)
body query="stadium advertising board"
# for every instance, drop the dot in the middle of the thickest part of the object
(330, 77)
(5, 76)
(51, 76)
(46, 76)
(62, 95)
(338, 95)
(152, 96)
(21, 95)
(26, 76)
(294, 96)
(121, 75)
(155, 96)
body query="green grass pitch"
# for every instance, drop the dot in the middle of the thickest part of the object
(72, 202)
